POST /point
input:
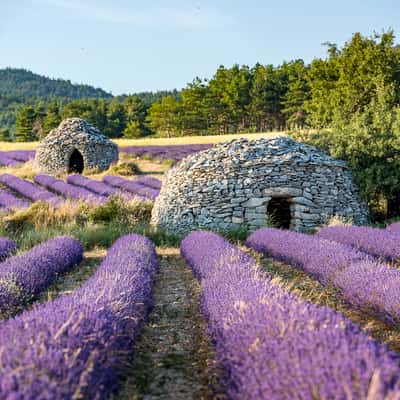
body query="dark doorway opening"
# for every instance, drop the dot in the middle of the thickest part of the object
(278, 211)
(75, 163)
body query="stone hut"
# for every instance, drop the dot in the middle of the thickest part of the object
(277, 182)
(74, 147)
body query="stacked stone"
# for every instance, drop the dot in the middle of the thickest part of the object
(231, 184)
(54, 152)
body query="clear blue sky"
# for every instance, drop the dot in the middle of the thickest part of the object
(126, 46)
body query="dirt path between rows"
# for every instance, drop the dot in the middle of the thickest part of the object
(174, 358)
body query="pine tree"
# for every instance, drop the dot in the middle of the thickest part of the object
(24, 124)
(52, 118)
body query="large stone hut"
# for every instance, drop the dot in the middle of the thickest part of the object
(240, 183)
(73, 147)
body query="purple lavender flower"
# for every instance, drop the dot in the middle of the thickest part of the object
(29, 190)
(274, 346)
(77, 346)
(362, 280)
(22, 277)
(7, 247)
(376, 242)
(11, 202)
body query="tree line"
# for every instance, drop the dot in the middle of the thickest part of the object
(347, 103)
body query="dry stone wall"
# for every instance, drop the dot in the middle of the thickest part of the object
(54, 152)
(231, 185)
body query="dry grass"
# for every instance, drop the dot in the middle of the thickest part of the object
(297, 281)
(156, 141)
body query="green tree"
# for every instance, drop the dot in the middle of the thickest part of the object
(370, 142)
(297, 92)
(116, 119)
(52, 118)
(24, 124)
(133, 130)
(164, 117)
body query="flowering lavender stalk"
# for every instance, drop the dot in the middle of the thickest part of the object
(29, 190)
(68, 190)
(376, 242)
(10, 202)
(273, 345)
(7, 161)
(362, 280)
(133, 187)
(94, 186)
(24, 276)
(7, 247)
(78, 345)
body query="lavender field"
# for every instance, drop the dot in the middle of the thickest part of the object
(167, 152)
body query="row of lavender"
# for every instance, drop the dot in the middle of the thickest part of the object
(362, 279)
(274, 346)
(77, 346)
(54, 191)
(15, 157)
(24, 276)
(173, 152)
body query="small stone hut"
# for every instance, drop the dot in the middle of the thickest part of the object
(73, 147)
(239, 183)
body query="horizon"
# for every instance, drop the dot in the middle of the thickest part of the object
(129, 48)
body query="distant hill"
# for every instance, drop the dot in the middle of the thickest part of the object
(20, 87)
(23, 83)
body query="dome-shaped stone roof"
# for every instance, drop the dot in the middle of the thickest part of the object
(272, 151)
(249, 183)
(74, 146)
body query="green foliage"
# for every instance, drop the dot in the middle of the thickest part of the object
(24, 124)
(121, 211)
(52, 118)
(370, 142)
(125, 168)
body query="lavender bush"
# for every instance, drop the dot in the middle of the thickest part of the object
(377, 242)
(7, 247)
(21, 155)
(78, 345)
(94, 186)
(133, 187)
(394, 228)
(7, 161)
(24, 276)
(149, 181)
(362, 280)
(274, 346)
(68, 190)
(11, 202)
(28, 189)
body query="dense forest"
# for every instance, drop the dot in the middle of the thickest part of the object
(347, 103)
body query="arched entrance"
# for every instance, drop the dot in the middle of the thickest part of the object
(278, 211)
(75, 164)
